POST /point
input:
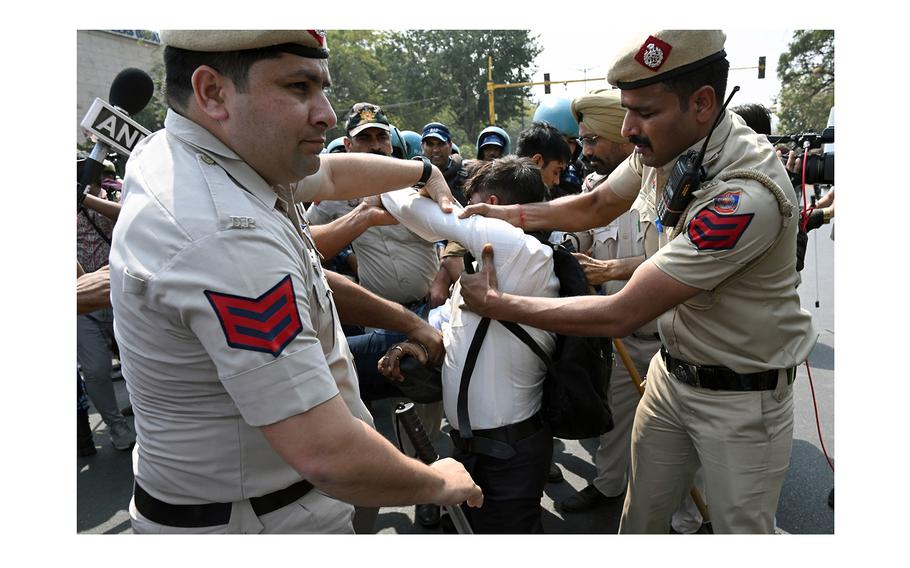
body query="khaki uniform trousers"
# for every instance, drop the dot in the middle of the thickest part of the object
(742, 440)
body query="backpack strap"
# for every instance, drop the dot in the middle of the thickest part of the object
(464, 420)
(474, 444)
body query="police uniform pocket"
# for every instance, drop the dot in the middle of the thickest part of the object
(604, 234)
(133, 284)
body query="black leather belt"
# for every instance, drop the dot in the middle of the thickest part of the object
(722, 378)
(498, 442)
(212, 514)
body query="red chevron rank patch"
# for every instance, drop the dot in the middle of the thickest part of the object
(710, 230)
(267, 323)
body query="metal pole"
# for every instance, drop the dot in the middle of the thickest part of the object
(425, 453)
(490, 89)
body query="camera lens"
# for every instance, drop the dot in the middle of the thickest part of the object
(820, 169)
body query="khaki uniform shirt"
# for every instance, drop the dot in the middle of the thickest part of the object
(392, 262)
(754, 323)
(622, 238)
(224, 320)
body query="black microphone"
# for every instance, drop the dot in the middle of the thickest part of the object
(131, 91)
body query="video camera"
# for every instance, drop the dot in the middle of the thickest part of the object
(819, 166)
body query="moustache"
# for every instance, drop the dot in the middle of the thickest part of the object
(639, 141)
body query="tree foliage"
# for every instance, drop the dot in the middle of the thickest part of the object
(806, 72)
(421, 76)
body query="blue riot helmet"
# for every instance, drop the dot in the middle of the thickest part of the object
(335, 146)
(557, 111)
(399, 146)
(495, 136)
(412, 140)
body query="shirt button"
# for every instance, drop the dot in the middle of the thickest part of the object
(208, 160)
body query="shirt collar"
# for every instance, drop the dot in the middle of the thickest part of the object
(200, 138)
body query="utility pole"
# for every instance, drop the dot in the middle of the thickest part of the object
(491, 86)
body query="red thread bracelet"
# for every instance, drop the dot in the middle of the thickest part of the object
(521, 216)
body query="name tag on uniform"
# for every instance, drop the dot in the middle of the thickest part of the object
(242, 222)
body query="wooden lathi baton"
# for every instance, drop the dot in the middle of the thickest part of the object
(636, 378)
(425, 453)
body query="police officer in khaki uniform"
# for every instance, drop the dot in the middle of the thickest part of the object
(722, 285)
(247, 407)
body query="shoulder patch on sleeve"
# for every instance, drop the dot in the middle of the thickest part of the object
(710, 230)
(267, 323)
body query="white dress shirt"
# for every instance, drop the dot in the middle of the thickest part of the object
(507, 382)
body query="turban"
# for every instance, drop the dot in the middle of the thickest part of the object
(601, 112)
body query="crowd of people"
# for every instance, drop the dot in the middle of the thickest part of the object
(266, 287)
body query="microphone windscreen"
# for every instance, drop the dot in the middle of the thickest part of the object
(131, 90)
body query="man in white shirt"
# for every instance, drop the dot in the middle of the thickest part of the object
(504, 397)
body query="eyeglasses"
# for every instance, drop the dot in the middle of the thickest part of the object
(587, 140)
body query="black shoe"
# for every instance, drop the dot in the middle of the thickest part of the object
(86, 448)
(427, 515)
(555, 475)
(85, 444)
(584, 500)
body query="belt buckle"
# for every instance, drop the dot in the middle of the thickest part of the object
(686, 374)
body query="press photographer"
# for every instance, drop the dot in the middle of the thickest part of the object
(809, 162)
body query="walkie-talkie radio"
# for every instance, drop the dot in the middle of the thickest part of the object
(685, 179)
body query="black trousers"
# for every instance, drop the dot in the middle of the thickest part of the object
(512, 488)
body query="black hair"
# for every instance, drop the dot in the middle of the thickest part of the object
(757, 117)
(512, 179)
(180, 64)
(713, 74)
(544, 139)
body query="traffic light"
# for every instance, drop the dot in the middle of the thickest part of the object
(761, 67)
(546, 88)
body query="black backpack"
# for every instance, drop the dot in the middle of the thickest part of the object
(578, 376)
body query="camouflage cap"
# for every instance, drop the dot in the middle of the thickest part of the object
(305, 43)
(665, 55)
(366, 115)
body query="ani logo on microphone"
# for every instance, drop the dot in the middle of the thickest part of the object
(113, 127)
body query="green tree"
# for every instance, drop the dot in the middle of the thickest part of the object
(358, 73)
(442, 75)
(806, 73)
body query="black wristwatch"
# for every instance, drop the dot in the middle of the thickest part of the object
(427, 170)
